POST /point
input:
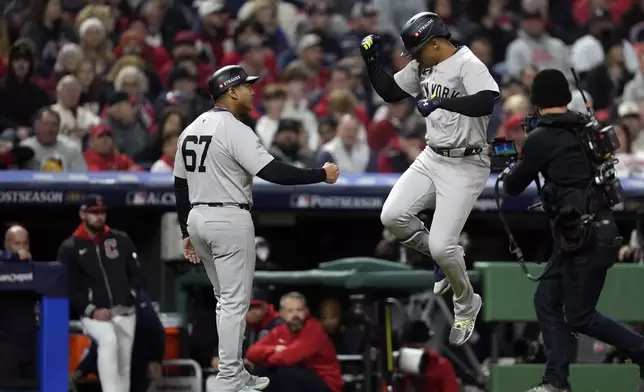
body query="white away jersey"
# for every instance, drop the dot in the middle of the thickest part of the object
(219, 156)
(459, 75)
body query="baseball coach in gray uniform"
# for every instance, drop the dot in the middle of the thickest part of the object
(217, 158)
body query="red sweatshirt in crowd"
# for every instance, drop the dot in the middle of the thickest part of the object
(120, 162)
(310, 347)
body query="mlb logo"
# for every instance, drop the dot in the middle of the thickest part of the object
(139, 198)
(303, 201)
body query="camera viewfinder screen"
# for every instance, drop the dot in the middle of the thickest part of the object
(505, 148)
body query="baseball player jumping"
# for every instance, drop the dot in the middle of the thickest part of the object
(217, 158)
(455, 93)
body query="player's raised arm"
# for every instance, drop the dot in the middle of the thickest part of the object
(385, 84)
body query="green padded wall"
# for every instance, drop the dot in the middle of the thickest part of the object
(508, 293)
(583, 377)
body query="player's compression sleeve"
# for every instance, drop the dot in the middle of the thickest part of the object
(384, 84)
(476, 105)
(284, 174)
(183, 204)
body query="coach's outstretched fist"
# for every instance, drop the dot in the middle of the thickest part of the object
(370, 48)
(332, 172)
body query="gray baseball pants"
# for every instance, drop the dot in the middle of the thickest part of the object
(224, 239)
(451, 186)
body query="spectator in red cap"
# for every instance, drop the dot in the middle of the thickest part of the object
(298, 354)
(512, 130)
(102, 154)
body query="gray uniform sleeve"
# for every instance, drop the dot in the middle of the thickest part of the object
(179, 165)
(476, 77)
(245, 148)
(408, 79)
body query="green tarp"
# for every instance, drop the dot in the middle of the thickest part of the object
(353, 274)
(583, 377)
(508, 293)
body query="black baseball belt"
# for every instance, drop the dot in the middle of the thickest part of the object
(243, 206)
(457, 152)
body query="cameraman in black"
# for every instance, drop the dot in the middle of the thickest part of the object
(586, 237)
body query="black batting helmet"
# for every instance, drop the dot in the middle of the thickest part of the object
(421, 28)
(227, 77)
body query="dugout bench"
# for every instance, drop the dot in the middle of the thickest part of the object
(373, 282)
(508, 296)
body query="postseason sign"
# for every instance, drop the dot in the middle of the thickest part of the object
(352, 192)
(31, 197)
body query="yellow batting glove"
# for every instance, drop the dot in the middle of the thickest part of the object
(367, 42)
(369, 48)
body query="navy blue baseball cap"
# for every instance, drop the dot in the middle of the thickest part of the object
(258, 297)
(93, 203)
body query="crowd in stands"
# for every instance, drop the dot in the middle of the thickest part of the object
(109, 84)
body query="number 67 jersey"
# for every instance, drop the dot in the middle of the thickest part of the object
(219, 156)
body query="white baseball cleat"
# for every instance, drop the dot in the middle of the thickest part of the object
(258, 383)
(441, 286)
